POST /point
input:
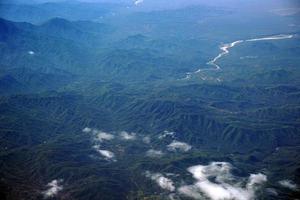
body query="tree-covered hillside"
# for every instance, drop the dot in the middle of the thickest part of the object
(123, 101)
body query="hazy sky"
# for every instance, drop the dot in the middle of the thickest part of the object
(165, 3)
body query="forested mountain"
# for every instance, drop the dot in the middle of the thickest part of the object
(121, 100)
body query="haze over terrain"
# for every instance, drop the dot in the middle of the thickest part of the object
(150, 99)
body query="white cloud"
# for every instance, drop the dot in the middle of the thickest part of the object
(154, 153)
(179, 146)
(220, 192)
(289, 184)
(163, 182)
(166, 134)
(137, 2)
(86, 130)
(31, 52)
(100, 136)
(105, 153)
(255, 180)
(147, 139)
(53, 188)
(216, 182)
(127, 136)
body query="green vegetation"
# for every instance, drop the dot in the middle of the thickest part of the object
(70, 70)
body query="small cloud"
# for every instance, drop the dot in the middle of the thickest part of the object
(179, 146)
(166, 134)
(100, 136)
(154, 153)
(86, 130)
(137, 2)
(147, 139)
(289, 184)
(255, 180)
(127, 136)
(31, 52)
(105, 153)
(53, 188)
(164, 182)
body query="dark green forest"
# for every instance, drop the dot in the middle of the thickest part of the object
(117, 100)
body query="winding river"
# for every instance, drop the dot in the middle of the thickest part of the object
(225, 50)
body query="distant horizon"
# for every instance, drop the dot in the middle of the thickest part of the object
(293, 3)
(176, 4)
